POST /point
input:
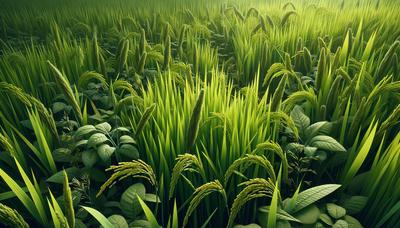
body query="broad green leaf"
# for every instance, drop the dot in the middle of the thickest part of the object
(318, 128)
(340, 224)
(353, 222)
(129, 151)
(59, 176)
(310, 151)
(84, 130)
(327, 143)
(99, 217)
(58, 107)
(118, 221)
(294, 147)
(129, 200)
(89, 158)
(62, 155)
(326, 219)
(300, 119)
(82, 142)
(127, 139)
(104, 127)
(149, 197)
(96, 139)
(335, 211)
(311, 195)
(283, 224)
(105, 151)
(308, 215)
(122, 129)
(321, 155)
(354, 204)
(140, 223)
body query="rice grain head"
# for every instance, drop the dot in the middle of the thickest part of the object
(195, 120)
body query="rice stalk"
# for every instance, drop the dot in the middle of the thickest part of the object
(285, 17)
(238, 13)
(142, 43)
(30, 101)
(66, 89)
(86, 77)
(184, 162)
(386, 61)
(333, 93)
(250, 11)
(121, 84)
(126, 102)
(270, 21)
(246, 161)
(299, 97)
(135, 169)
(6, 144)
(195, 120)
(200, 193)
(254, 188)
(276, 148)
(145, 117)
(95, 50)
(123, 55)
(262, 24)
(390, 121)
(11, 217)
(142, 63)
(278, 94)
(307, 59)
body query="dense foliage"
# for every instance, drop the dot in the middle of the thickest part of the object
(174, 113)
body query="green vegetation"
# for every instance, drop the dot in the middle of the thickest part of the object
(224, 113)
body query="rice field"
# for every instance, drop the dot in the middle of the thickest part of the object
(179, 113)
